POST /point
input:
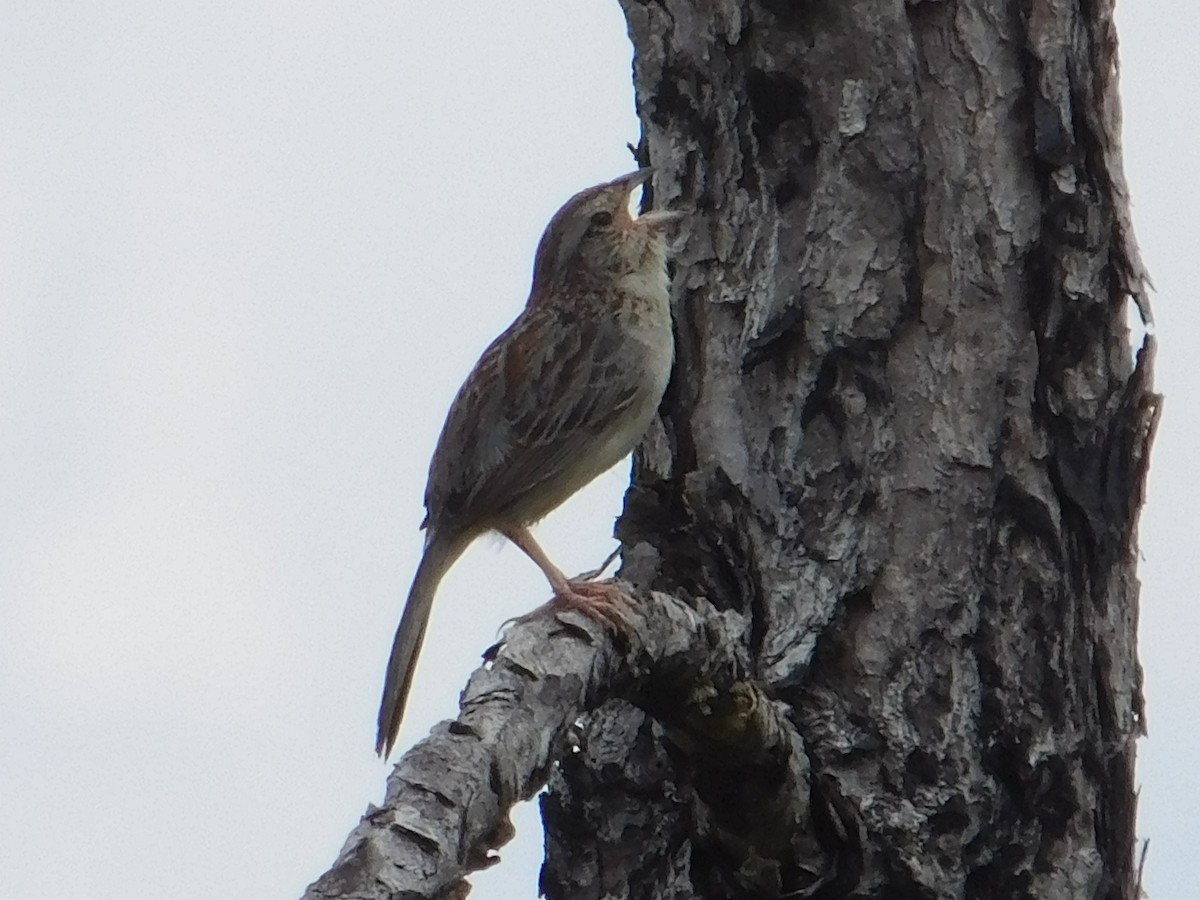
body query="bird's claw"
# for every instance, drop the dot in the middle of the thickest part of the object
(601, 601)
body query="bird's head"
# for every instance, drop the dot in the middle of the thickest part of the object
(594, 240)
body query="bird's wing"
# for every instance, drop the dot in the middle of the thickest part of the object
(540, 396)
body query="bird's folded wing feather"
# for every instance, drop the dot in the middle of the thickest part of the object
(542, 394)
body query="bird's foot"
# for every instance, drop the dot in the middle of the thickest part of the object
(601, 601)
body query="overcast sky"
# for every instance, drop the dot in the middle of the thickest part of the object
(247, 253)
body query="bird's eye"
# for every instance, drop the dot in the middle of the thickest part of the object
(602, 218)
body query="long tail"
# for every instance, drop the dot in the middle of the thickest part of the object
(440, 553)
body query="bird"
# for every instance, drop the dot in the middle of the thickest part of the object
(561, 396)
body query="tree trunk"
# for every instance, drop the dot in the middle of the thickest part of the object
(905, 439)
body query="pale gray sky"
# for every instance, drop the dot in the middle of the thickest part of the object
(249, 250)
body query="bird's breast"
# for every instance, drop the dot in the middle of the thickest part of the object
(645, 312)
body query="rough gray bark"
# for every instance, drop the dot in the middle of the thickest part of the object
(905, 437)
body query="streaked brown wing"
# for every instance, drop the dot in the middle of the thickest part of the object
(509, 434)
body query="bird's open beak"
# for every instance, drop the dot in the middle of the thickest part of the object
(655, 220)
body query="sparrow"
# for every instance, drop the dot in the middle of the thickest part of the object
(560, 397)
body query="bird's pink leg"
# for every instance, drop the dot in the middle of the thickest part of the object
(597, 600)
